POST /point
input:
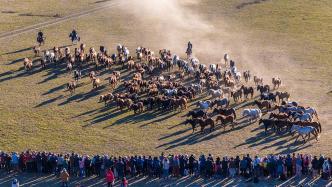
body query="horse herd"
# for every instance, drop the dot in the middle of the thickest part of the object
(168, 83)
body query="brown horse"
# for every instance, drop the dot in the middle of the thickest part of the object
(225, 120)
(280, 116)
(263, 104)
(36, 50)
(202, 122)
(71, 87)
(138, 107)
(225, 112)
(276, 81)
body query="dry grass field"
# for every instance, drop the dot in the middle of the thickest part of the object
(289, 39)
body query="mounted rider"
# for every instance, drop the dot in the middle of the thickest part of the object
(40, 37)
(74, 36)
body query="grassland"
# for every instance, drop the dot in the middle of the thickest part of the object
(287, 38)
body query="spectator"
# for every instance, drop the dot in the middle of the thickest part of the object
(64, 175)
(15, 183)
(110, 178)
(124, 182)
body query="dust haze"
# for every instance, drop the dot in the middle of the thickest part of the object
(171, 24)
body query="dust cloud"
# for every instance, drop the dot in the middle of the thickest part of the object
(171, 24)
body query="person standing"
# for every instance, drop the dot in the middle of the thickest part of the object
(15, 183)
(64, 175)
(110, 178)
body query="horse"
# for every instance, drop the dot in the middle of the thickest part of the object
(252, 113)
(95, 82)
(71, 87)
(246, 75)
(215, 93)
(315, 124)
(280, 116)
(170, 92)
(202, 122)
(267, 123)
(138, 107)
(309, 110)
(106, 97)
(204, 105)
(27, 64)
(268, 96)
(224, 112)
(77, 74)
(237, 95)
(262, 89)
(302, 116)
(247, 90)
(304, 132)
(220, 102)
(197, 114)
(263, 104)
(36, 50)
(193, 122)
(282, 96)
(225, 120)
(258, 81)
(226, 90)
(226, 59)
(276, 81)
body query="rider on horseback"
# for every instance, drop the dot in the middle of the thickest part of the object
(189, 49)
(40, 37)
(74, 36)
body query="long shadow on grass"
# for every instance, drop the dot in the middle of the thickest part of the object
(198, 137)
(18, 51)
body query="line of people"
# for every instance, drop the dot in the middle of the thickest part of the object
(167, 166)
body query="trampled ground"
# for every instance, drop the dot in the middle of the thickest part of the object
(271, 38)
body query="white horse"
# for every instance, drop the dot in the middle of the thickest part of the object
(303, 116)
(170, 92)
(252, 114)
(204, 105)
(197, 87)
(310, 111)
(216, 93)
(213, 67)
(304, 131)
(226, 58)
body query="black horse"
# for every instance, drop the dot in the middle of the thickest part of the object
(269, 96)
(197, 114)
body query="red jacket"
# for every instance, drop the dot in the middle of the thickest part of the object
(109, 176)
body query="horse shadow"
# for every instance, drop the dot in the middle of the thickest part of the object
(55, 89)
(18, 51)
(49, 101)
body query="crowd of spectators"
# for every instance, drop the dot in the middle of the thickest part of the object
(166, 166)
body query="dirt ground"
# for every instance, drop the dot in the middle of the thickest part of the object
(269, 38)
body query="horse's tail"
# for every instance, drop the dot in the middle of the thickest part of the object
(315, 112)
(234, 113)
(319, 127)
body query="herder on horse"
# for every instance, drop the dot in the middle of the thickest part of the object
(40, 38)
(189, 49)
(74, 36)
